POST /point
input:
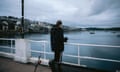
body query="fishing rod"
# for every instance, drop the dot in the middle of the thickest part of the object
(38, 63)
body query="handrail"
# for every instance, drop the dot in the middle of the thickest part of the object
(6, 39)
(102, 59)
(93, 45)
(78, 56)
(92, 58)
(38, 41)
(8, 47)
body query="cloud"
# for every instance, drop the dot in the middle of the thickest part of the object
(10, 8)
(102, 12)
(79, 12)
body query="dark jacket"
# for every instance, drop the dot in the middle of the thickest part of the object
(57, 39)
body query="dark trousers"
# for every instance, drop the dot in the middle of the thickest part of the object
(56, 63)
(58, 59)
(58, 56)
(55, 66)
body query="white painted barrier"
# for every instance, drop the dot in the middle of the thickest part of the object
(22, 50)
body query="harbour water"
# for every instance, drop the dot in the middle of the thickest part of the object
(98, 37)
(84, 37)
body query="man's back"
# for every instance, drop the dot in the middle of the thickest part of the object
(57, 39)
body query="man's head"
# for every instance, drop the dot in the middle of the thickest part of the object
(59, 23)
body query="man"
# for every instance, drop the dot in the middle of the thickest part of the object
(57, 40)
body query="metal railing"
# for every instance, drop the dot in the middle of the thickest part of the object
(7, 46)
(44, 43)
(88, 57)
(78, 56)
(46, 46)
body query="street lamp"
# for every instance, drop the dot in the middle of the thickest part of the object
(22, 20)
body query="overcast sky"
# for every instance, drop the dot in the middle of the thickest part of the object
(71, 12)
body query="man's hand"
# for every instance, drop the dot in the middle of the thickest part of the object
(65, 39)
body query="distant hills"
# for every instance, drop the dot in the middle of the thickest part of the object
(11, 23)
(31, 26)
(112, 28)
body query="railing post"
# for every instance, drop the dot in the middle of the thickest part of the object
(78, 54)
(11, 46)
(44, 51)
(22, 50)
